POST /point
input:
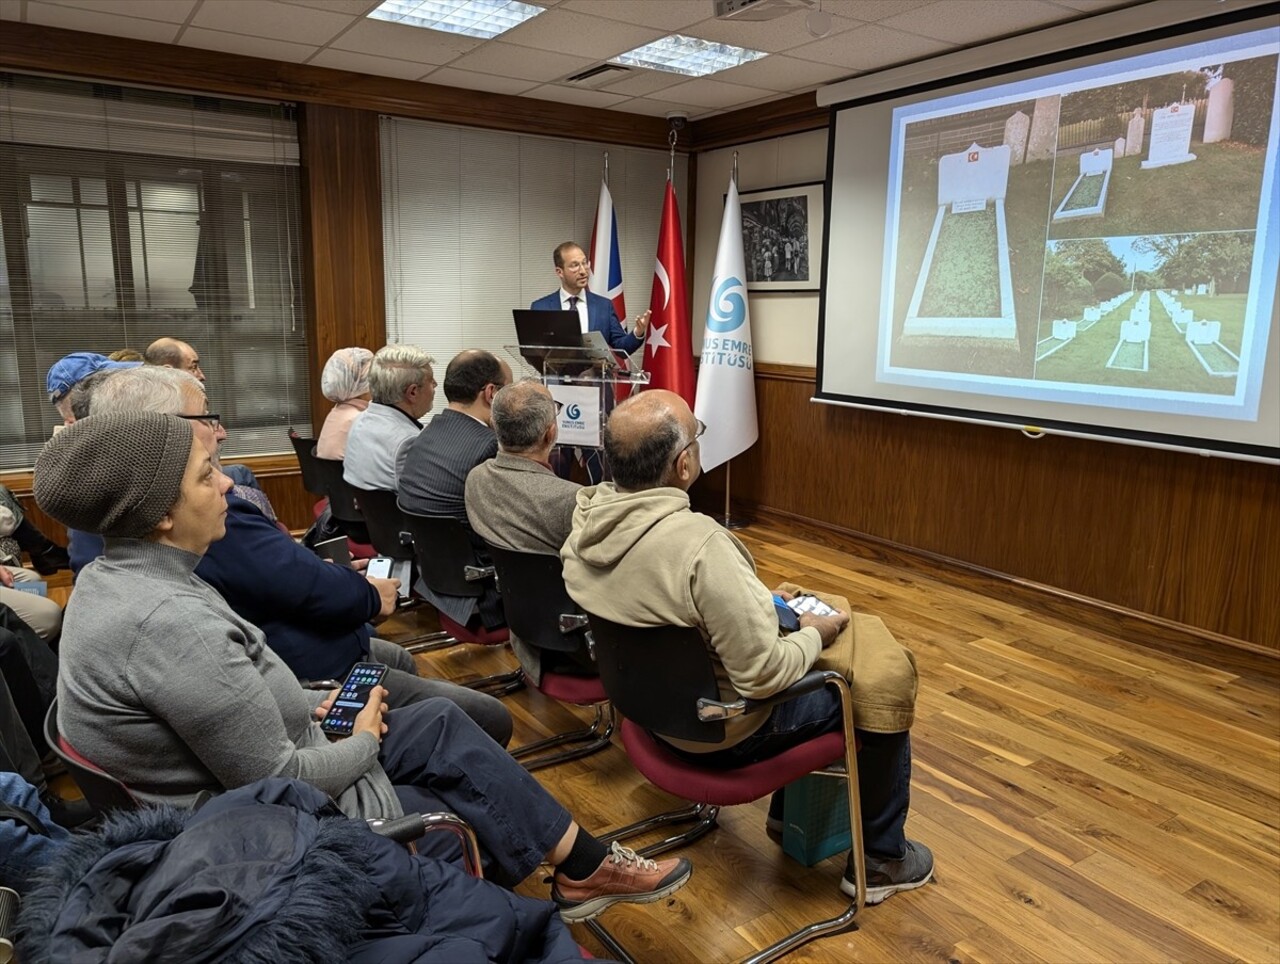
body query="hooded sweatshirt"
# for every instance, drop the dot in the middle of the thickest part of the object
(646, 559)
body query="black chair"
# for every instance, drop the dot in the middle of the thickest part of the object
(102, 791)
(305, 449)
(662, 681)
(540, 612)
(449, 565)
(342, 501)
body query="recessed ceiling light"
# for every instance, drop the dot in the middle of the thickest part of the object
(691, 56)
(471, 18)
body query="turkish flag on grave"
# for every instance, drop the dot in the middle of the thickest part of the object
(668, 348)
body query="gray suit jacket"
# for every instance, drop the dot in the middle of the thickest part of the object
(520, 504)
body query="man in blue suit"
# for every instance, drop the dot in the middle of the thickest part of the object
(597, 314)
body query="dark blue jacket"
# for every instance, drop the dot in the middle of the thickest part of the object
(600, 317)
(314, 614)
(272, 872)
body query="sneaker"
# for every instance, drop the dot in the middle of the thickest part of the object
(624, 876)
(887, 877)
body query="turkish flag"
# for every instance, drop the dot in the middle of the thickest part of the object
(668, 346)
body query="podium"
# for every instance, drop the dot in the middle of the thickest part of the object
(584, 379)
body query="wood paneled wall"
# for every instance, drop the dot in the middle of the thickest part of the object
(1180, 537)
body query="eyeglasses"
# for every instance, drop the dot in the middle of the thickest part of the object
(575, 265)
(702, 430)
(559, 405)
(212, 419)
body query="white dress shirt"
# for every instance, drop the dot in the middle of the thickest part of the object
(581, 307)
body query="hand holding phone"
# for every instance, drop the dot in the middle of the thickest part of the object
(358, 706)
(809, 604)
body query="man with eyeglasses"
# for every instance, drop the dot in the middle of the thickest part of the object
(594, 311)
(173, 353)
(638, 555)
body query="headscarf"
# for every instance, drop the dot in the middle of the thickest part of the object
(346, 374)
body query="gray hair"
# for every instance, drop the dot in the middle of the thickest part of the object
(521, 415)
(147, 389)
(81, 394)
(395, 369)
(643, 460)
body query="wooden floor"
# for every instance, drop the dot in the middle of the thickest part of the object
(1086, 798)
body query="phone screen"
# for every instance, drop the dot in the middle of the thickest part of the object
(810, 604)
(352, 698)
(379, 568)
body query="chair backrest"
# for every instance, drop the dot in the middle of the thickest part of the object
(103, 791)
(655, 677)
(385, 522)
(342, 500)
(533, 597)
(442, 547)
(304, 448)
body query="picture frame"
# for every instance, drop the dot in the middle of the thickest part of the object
(782, 235)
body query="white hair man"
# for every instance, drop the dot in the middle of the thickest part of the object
(403, 386)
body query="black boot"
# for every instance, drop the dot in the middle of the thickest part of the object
(46, 557)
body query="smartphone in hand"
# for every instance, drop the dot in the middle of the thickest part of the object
(352, 698)
(810, 604)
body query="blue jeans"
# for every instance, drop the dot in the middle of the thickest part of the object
(439, 759)
(884, 765)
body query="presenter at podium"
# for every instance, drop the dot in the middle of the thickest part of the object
(596, 312)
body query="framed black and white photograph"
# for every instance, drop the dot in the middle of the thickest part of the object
(782, 237)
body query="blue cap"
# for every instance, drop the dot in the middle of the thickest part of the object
(76, 367)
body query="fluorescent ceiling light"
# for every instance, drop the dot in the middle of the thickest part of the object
(688, 55)
(471, 18)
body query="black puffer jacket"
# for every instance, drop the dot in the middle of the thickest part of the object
(272, 872)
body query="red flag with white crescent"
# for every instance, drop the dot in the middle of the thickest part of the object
(668, 347)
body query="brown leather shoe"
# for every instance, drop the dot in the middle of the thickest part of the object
(624, 876)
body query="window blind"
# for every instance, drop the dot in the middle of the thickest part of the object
(470, 220)
(127, 215)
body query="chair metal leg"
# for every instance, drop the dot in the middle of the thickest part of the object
(429, 643)
(821, 929)
(616, 951)
(702, 815)
(594, 738)
(499, 684)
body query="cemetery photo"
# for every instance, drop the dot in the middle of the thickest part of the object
(1158, 312)
(970, 228)
(1176, 152)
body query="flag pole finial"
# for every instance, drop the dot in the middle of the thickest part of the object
(676, 121)
(606, 167)
(671, 142)
(735, 167)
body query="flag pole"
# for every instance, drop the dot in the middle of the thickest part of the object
(730, 522)
(606, 167)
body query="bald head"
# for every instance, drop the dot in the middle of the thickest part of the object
(471, 372)
(172, 353)
(524, 419)
(648, 441)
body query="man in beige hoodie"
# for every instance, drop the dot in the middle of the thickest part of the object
(638, 555)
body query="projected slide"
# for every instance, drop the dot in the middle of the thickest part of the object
(1099, 236)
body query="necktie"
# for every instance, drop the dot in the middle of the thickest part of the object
(573, 302)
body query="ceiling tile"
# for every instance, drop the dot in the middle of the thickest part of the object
(572, 95)
(660, 108)
(643, 81)
(768, 35)
(665, 15)
(870, 10)
(397, 40)
(174, 11)
(70, 18)
(357, 8)
(705, 92)
(971, 21)
(505, 60)
(782, 73)
(276, 21)
(234, 43)
(368, 64)
(870, 47)
(567, 32)
(470, 80)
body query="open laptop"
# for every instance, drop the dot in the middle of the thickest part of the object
(556, 338)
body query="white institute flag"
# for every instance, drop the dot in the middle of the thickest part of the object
(726, 398)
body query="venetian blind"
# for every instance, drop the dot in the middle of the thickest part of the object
(471, 217)
(129, 214)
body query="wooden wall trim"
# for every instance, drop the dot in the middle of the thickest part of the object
(787, 373)
(264, 466)
(791, 115)
(73, 53)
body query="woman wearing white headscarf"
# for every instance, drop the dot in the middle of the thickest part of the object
(345, 380)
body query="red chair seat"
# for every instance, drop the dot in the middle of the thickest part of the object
(725, 788)
(476, 634)
(70, 751)
(361, 550)
(317, 510)
(578, 690)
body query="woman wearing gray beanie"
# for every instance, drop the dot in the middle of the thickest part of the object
(163, 686)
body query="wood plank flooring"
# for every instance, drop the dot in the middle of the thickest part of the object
(1087, 798)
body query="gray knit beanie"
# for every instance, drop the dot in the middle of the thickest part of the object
(114, 474)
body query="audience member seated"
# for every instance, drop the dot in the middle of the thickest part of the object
(127, 354)
(166, 688)
(69, 371)
(402, 387)
(150, 388)
(16, 533)
(639, 556)
(31, 837)
(345, 382)
(438, 461)
(172, 353)
(515, 501)
(314, 615)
